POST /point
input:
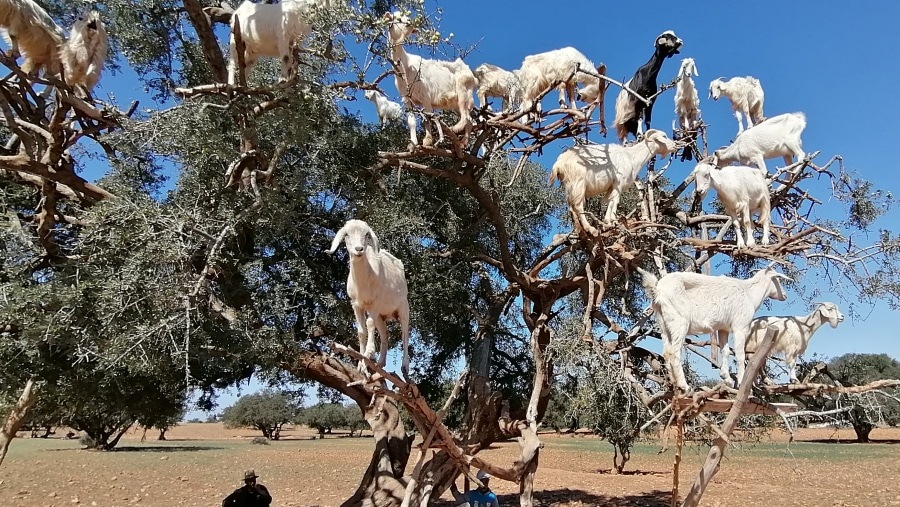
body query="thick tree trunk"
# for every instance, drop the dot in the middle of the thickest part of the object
(382, 484)
(862, 430)
(17, 417)
(162, 434)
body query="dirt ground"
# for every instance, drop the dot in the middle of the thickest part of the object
(202, 463)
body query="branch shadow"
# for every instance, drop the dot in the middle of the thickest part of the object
(579, 498)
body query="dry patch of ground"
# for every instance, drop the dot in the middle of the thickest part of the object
(202, 463)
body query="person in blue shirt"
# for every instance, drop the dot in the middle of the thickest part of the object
(483, 495)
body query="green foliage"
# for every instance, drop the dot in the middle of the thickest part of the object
(266, 411)
(324, 417)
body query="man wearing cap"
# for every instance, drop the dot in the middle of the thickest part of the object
(483, 496)
(250, 494)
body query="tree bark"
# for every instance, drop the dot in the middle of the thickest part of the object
(382, 484)
(208, 40)
(717, 451)
(17, 417)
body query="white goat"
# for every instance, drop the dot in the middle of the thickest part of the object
(31, 33)
(85, 51)
(692, 303)
(496, 82)
(589, 170)
(429, 83)
(793, 333)
(743, 191)
(387, 109)
(271, 30)
(557, 68)
(687, 102)
(746, 96)
(778, 136)
(377, 286)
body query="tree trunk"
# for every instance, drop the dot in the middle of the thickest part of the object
(862, 430)
(162, 434)
(17, 417)
(382, 484)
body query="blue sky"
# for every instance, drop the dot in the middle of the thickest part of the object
(835, 61)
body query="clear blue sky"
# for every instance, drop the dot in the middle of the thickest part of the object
(835, 61)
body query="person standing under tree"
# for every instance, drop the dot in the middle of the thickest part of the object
(250, 494)
(483, 496)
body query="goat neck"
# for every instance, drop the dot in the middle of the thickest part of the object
(364, 267)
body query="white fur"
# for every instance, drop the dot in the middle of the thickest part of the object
(31, 33)
(429, 84)
(85, 51)
(693, 303)
(387, 109)
(743, 191)
(589, 170)
(793, 333)
(778, 136)
(746, 96)
(556, 68)
(687, 102)
(496, 82)
(377, 286)
(272, 30)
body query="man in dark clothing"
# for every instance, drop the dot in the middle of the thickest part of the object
(250, 494)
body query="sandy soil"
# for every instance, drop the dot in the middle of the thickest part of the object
(202, 463)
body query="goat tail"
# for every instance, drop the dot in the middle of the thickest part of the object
(649, 281)
(554, 175)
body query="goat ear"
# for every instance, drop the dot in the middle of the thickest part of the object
(336, 242)
(783, 276)
(694, 65)
(372, 240)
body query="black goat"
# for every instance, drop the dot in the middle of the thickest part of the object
(629, 110)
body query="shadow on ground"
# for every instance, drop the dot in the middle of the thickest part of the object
(167, 448)
(580, 498)
(852, 441)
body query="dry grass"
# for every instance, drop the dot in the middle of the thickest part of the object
(201, 463)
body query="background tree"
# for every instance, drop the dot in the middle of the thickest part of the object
(266, 411)
(323, 417)
(862, 411)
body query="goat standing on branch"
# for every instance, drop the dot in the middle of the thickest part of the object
(629, 110)
(743, 191)
(778, 136)
(746, 96)
(691, 304)
(558, 68)
(377, 286)
(386, 109)
(271, 30)
(496, 82)
(429, 83)
(85, 51)
(687, 102)
(31, 33)
(794, 333)
(595, 169)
